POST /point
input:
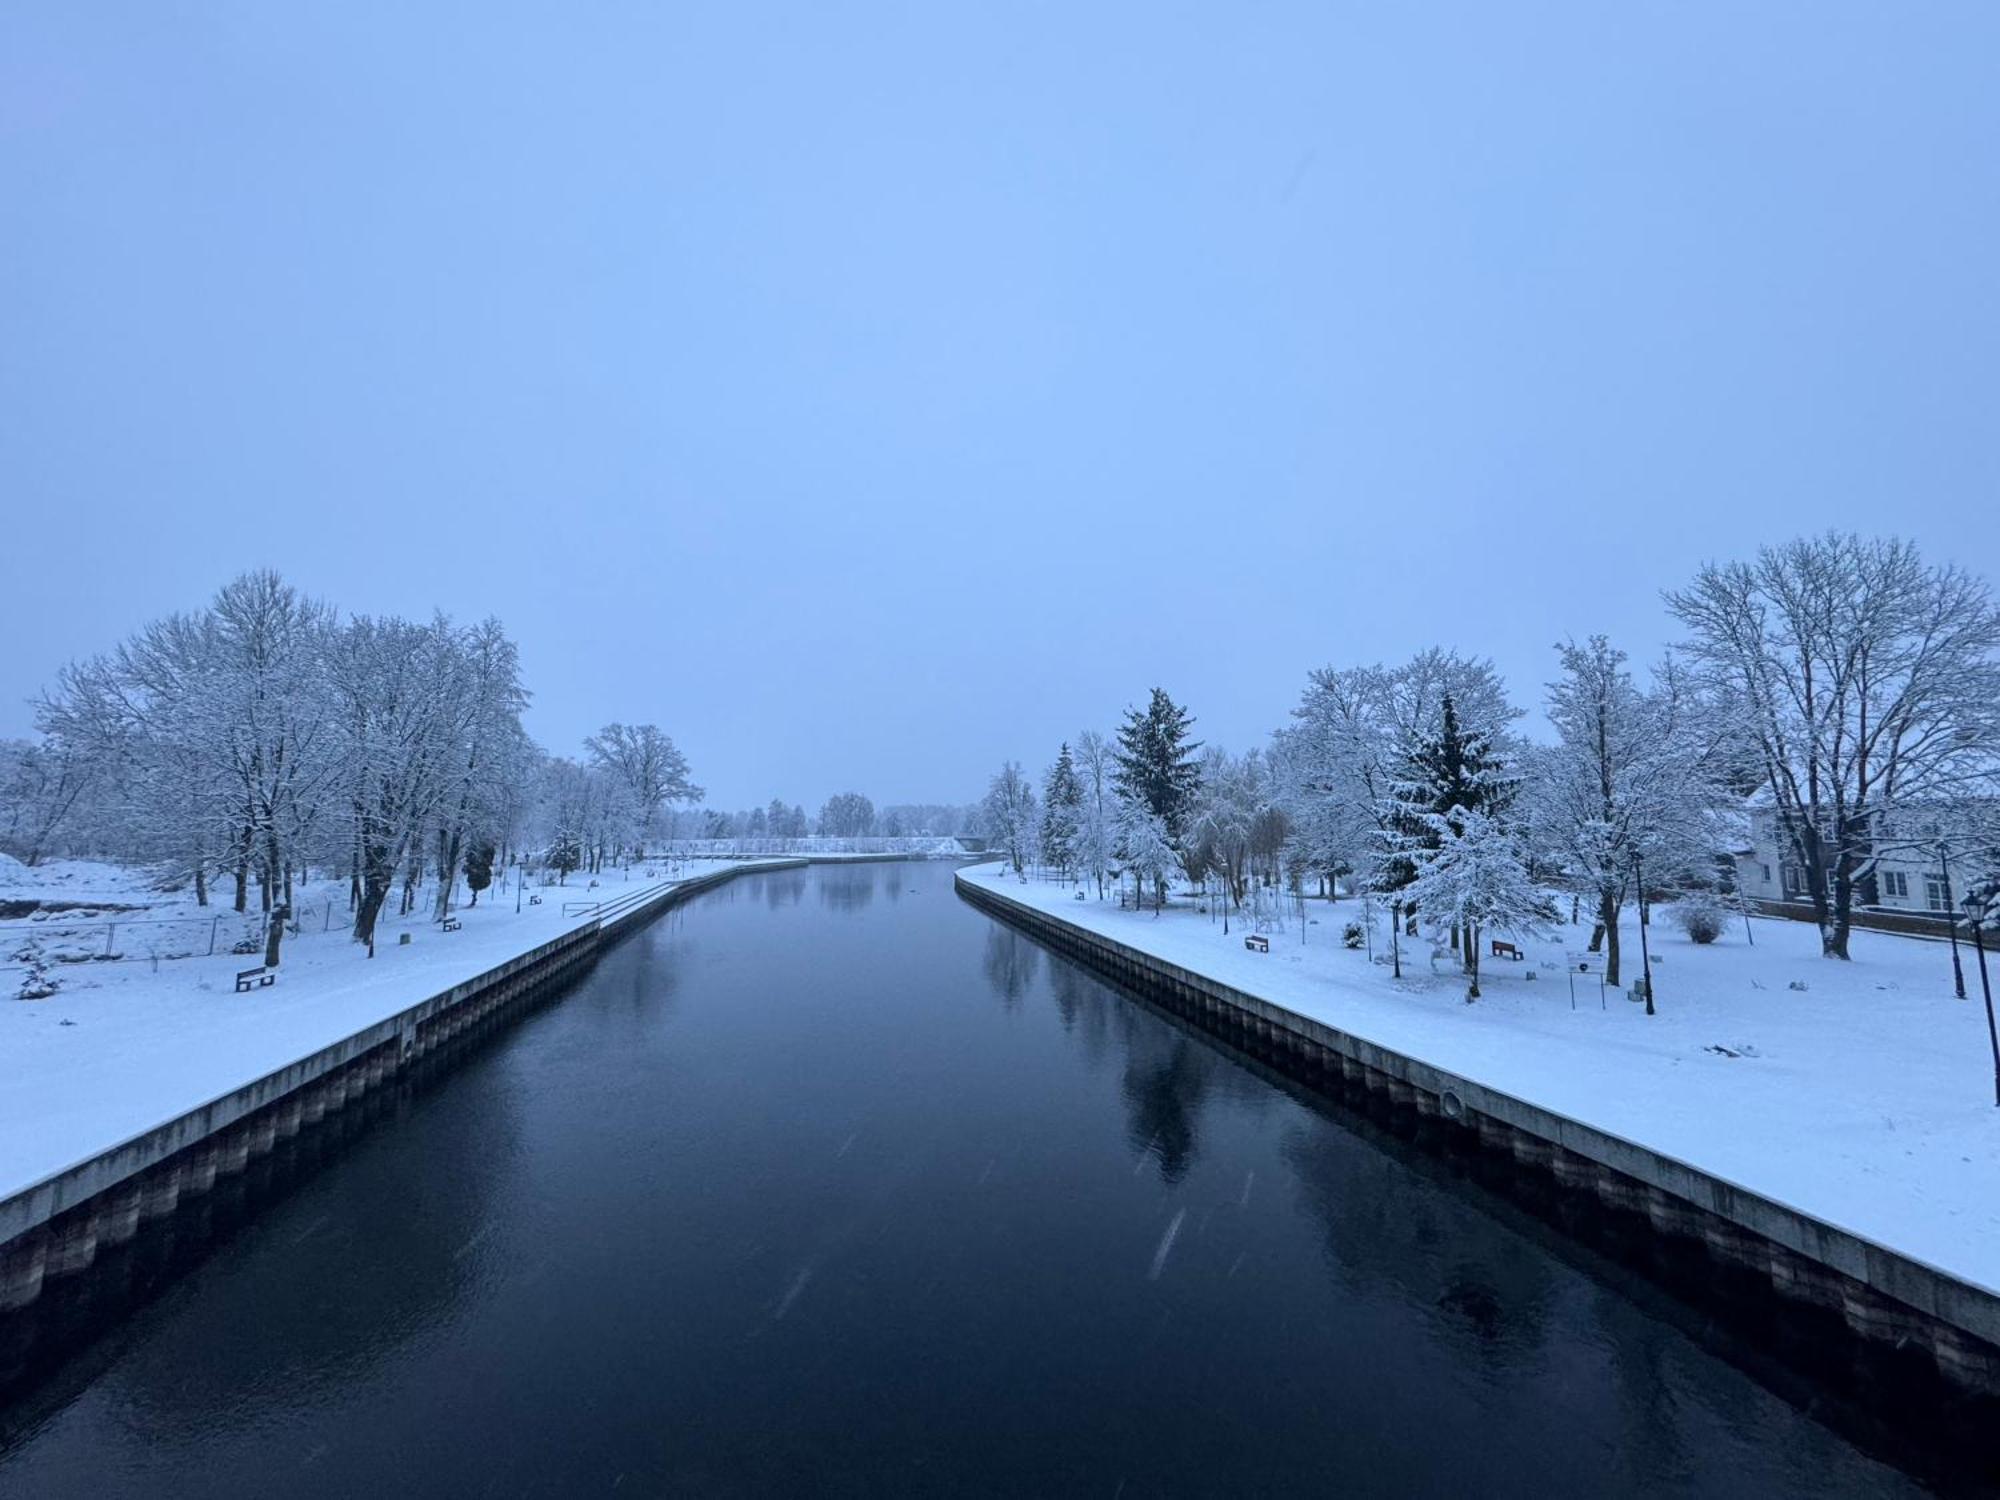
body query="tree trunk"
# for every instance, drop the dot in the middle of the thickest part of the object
(374, 894)
(274, 933)
(376, 870)
(1607, 916)
(448, 871)
(1472, 961)
(1833, 939)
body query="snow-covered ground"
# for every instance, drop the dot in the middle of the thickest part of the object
(122, 1047)
(1865, 1099)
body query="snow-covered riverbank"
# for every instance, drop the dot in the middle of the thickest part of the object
(123, 1047)
(1865, 1099)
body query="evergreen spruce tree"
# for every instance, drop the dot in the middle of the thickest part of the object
(1156, 760)
(1447, 773)
(1062, 813)
(479, 867)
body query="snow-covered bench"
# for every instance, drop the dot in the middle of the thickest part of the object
(254, 979)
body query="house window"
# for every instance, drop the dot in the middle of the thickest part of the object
(1795, 880)
(1767, 873)
(1895, 884)
(1934, 893)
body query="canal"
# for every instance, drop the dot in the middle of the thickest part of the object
(827, 1183)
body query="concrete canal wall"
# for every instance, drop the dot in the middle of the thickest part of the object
(57, 1226)
(1879, 1294)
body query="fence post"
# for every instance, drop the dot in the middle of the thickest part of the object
(109, 929)
(213, 923)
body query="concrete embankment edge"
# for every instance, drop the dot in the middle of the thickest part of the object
(57, 1226)
(1879, 1293)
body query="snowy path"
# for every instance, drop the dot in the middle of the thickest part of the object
(1866, 1100)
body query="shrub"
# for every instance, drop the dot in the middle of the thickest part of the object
(1701, 917)
(1351, 935)
(36, 982)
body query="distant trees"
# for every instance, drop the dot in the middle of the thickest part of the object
(848, 815)
(782, 822)
(1862, 680)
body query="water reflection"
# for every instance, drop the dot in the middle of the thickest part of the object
(847, 888)
(1164, 1083)
(780, 888)
(1012, 964)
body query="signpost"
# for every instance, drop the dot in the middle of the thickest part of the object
(1584, 962)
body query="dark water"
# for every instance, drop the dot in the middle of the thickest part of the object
(830, 1184)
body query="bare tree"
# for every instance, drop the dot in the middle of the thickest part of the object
(40, 786)
(649, 767)
(1864, 680)
(1634, 775)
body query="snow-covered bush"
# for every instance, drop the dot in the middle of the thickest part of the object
(36, 983)
(1701, 917)
(1351, 935)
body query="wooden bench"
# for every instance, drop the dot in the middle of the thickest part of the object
(1257, 943)
(1506, 950)
(452, 924)
(254, 979)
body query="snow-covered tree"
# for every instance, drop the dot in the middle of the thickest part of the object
(1097, 834)
(1010, 815)
(41, 786)
(1475, 877)
(1446, 769)
(1223, 824)
(848, 815)
(1062, 813)
(1863, 680)
(1634, 776)
(1145, 849)
(1156, 762)
(1344, 763)
(649, 768)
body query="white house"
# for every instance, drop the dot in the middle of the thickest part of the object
(1915, 851)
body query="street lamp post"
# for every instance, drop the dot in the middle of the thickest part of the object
(1975, 918)
(1951, 927)
(1645, 950)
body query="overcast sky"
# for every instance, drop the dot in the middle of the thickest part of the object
(867, 394)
